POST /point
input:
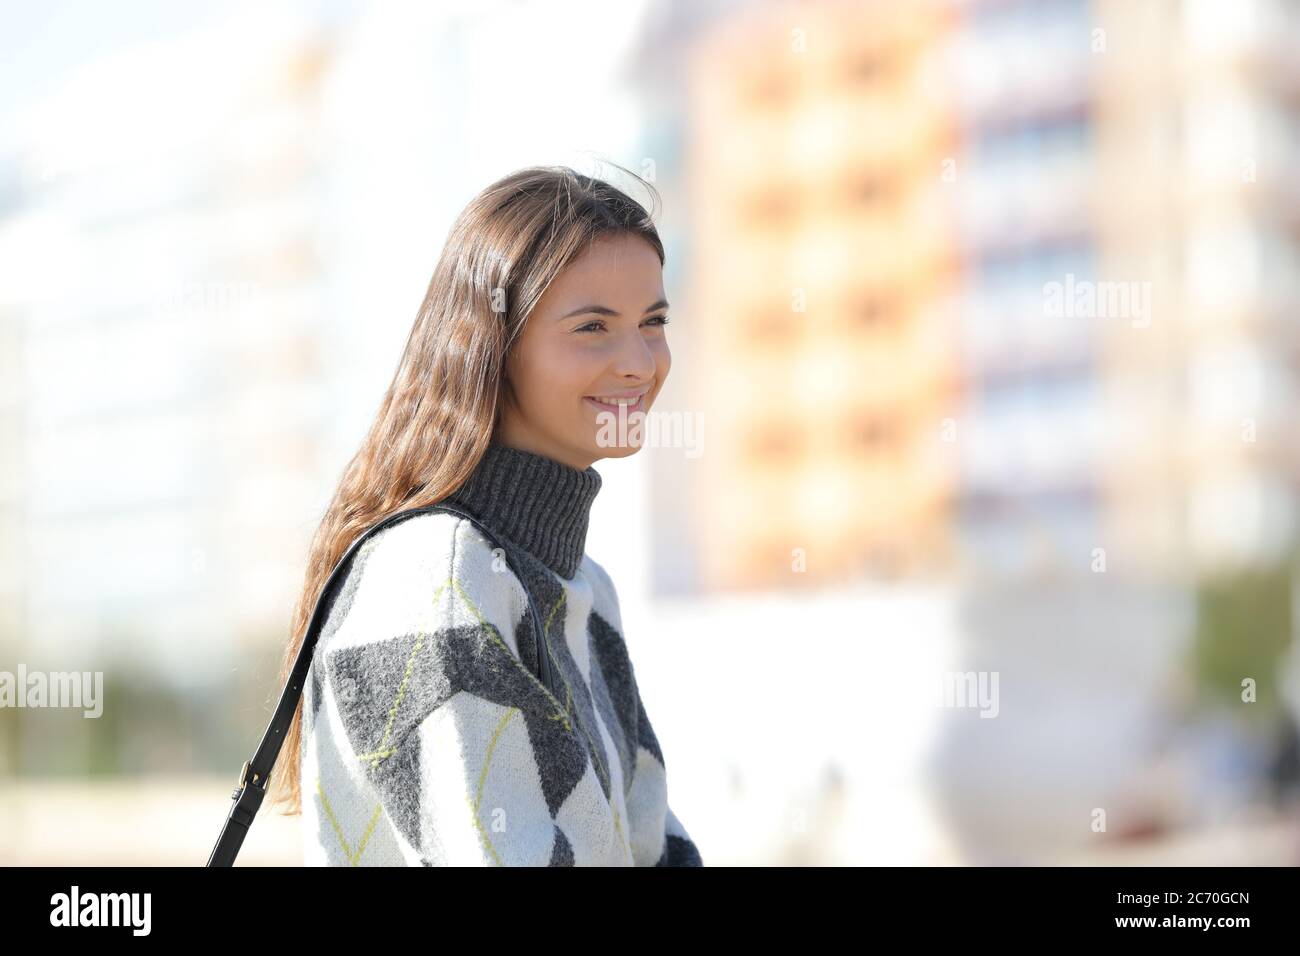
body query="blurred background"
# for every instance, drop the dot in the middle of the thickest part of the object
(985, 326)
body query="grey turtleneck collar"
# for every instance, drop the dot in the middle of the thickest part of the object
(536, 502)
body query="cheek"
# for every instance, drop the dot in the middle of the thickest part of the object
(560, 370)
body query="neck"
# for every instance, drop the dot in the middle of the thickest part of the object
(535, 501)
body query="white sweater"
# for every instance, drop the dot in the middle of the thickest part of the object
(427, 739)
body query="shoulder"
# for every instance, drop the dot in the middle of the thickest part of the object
(419, 608)
(423, 574)
(435, 543)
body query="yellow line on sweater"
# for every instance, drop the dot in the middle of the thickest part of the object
(492, 631)
(596, 748)
(338, 830)
(482, 780)
(382, 752)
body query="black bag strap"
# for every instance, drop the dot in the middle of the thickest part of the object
(254, 775)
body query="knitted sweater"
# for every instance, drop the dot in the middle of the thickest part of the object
(427, 738)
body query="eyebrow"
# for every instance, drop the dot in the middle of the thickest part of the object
(605, 310)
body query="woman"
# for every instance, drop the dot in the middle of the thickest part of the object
(425, 736)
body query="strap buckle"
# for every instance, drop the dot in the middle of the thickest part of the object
(244, 781)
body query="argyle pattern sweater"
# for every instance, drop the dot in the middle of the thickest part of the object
(428, 739)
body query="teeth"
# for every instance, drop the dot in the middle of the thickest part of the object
(619, 401)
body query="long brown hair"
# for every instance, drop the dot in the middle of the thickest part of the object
(444, 404)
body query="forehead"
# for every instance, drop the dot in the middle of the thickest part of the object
(616, 271)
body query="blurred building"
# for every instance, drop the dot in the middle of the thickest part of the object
(1125, 223)
(1124, 226)
(1028, 489)
(826, 362)
(160, 388)
(994, 288)
(1195, 173)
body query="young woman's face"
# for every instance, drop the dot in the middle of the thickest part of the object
(597, 333)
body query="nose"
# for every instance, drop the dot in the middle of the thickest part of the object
(634, 359)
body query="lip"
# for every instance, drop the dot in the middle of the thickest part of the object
(635, 407)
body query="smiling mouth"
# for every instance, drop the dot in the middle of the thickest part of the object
(615, 408)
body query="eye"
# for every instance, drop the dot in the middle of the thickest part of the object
(598, 325)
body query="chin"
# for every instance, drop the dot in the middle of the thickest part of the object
(618, 451)
(613, 451)
(623, 450)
